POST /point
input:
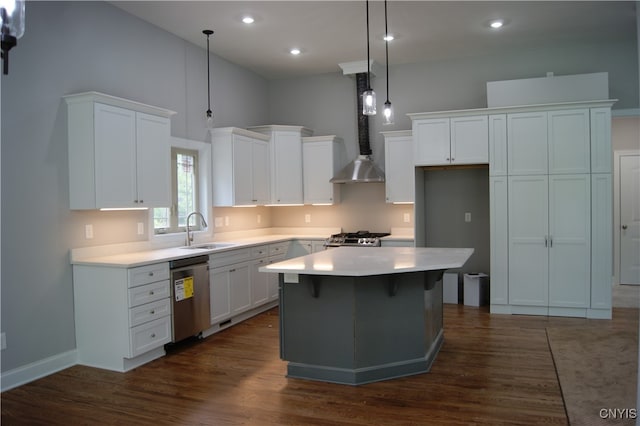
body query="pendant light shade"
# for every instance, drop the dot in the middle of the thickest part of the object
(209, 113)
(369, 96)
(12, 27)
(387, 116)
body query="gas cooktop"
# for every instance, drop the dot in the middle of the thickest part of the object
(359, 238)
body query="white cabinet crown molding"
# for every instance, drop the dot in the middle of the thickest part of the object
(239, 131)
(510, 109)
(118, 102)
(304, 131)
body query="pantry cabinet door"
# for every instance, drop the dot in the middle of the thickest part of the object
(527, 143)
(528, 240)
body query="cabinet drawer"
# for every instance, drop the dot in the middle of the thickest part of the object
(150, 335)
(259, 251)
(148, 293)
(279, 248)
(148, 312)
(148, 274)
(229, 257)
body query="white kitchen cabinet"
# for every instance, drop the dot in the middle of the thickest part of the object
(285, 153)
(119, 153)
(600, 128)
(499, 244)
(322, 159)
(399, 169)
(241, 167)
(549, 243)
(122, 316)
(453, 139)
(498, 145)
(259, 280)
(230, 285)
(601, 244)
(549, 142)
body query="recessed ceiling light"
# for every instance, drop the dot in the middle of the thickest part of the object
(295, 51)
(388, 37)
(248, 20)
(496, 24)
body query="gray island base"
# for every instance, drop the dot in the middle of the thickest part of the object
(342, 321)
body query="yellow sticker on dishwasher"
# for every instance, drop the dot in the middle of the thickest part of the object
(183, 288)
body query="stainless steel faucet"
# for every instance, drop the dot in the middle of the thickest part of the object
(204, 223)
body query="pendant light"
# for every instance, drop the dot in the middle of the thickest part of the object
(387, 114)
(209, 113)
(369, 96)
(12, 28)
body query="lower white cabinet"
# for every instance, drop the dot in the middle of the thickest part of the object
(230, 286)
(549, 243)
(122, 315)
(238, 288)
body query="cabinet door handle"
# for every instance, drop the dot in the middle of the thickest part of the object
(151, 293)
(546, 241)
(550, 240)
(232, 270)
(153, 335)
(150, 274)
(624, 227)
(152, 312)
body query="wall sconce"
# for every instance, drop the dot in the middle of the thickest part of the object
(12, 21)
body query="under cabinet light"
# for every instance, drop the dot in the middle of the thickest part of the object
(117, 209)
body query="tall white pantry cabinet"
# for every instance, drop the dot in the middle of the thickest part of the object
(550, 209)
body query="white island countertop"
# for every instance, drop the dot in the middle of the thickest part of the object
(364, 261)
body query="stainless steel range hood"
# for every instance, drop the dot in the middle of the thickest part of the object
(362, 169)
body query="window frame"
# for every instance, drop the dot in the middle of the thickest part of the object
(204, 193)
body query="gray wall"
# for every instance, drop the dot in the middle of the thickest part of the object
(69, 48)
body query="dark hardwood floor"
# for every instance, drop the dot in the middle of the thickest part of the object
(492, 369)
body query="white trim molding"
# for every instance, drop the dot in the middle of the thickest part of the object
(37, 370)
(616, 209)
(629, 112)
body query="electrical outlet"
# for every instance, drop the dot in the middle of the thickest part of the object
(307, 218)
(219, 222)
(467, 217)
(88, 231)
(140, 228)
(3, 338)
(406, 218)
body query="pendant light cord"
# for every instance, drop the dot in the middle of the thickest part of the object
(368, 61)
(209, 113)
(386, 45)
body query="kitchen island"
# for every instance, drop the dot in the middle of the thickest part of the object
(355, 315)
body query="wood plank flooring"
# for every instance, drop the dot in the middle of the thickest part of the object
(492, 370)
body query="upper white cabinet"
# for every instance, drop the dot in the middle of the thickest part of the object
(241, 167)
(285, 153)
(498, 145)
(450, 138)
(119, 153)
(553, 142)
(322, 158)
(601, 152)
(399, 169)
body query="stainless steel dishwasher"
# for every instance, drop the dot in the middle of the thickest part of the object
(190, 297)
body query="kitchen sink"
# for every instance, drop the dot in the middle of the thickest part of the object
(209, 246)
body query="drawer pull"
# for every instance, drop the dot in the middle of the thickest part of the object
(151, 293)
(153, 335)
(152, 312)
(150, 274)
(232, 270)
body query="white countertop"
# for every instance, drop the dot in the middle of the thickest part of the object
(128, 258)
(364, 261)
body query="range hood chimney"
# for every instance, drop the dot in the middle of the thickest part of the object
(362, 169)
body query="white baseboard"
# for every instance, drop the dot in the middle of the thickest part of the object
(36, 370)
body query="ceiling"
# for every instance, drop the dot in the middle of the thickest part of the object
(332, 32)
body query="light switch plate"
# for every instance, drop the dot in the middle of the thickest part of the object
(467, 217)
(140, 228)
(407, 218)
(307, 218)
